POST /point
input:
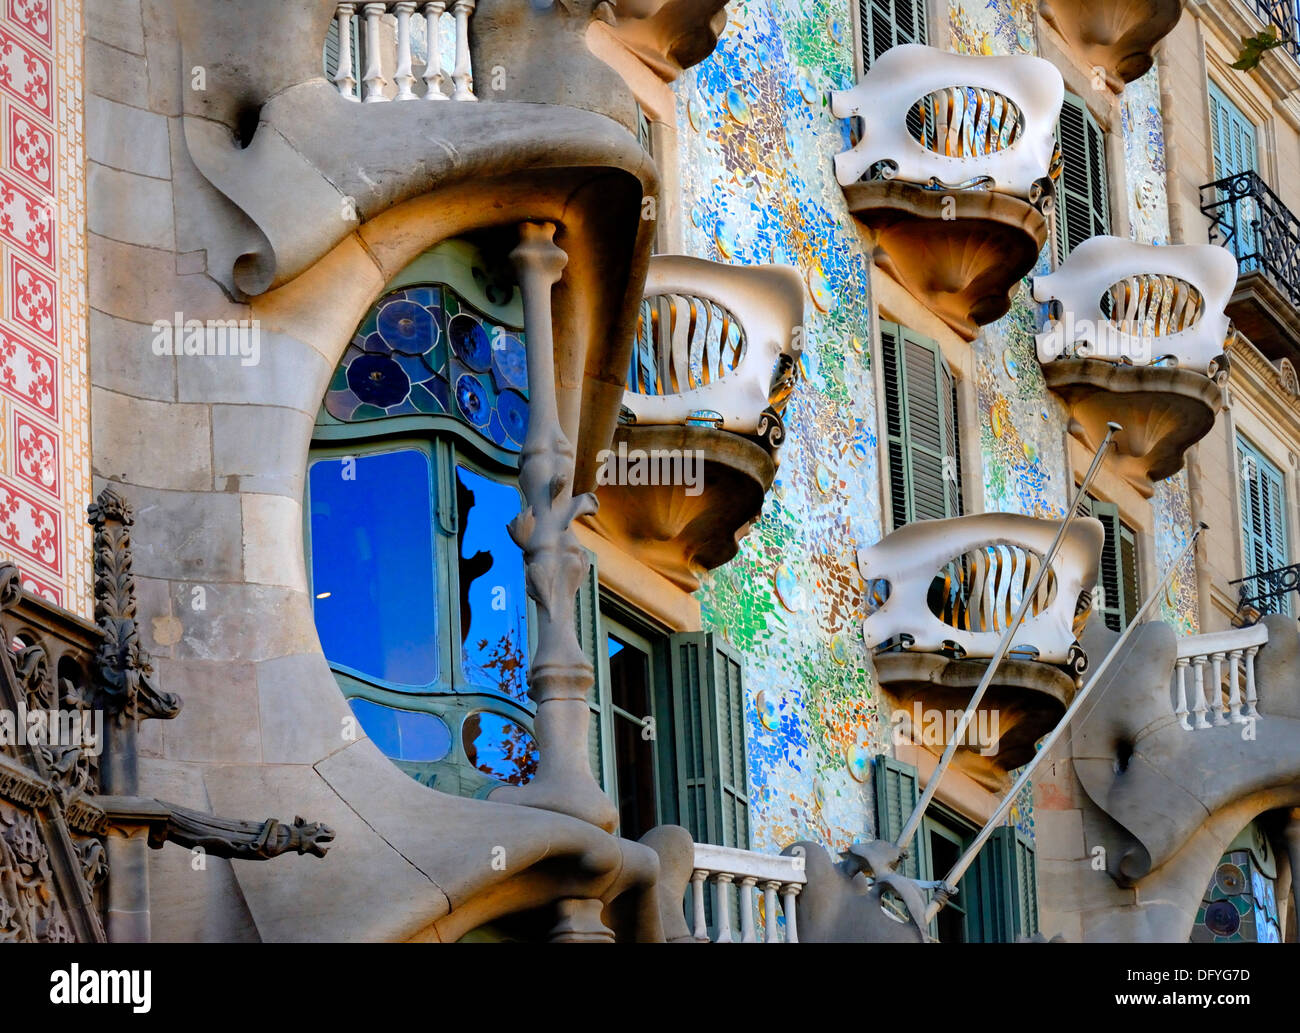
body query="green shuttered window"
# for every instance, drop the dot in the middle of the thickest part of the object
(1083, 201)
(922, 429)
(889, 23)
(997, 900)
(1236, 150)
(1263, 515)
(1119, 599)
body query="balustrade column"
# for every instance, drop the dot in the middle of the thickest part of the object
(344, 80)
(1217, 689)
(789, 892)
(747, 909)
(1234, 686)
(769, 911)
(1181, 668)
(462, 76)
(701, 930)
(722, 906)
(1200, 663)
(403, 76)
(433, 77)
(1251, 711)
(374, 78)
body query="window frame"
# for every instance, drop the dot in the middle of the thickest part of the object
(1093, 134)
(1243, 445)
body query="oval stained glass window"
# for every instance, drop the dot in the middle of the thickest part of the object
(500, 748)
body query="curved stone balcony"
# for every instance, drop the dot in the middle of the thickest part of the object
(1189, 741)
(953, 173)
(942, 593)
(715, 358)
(1139, 338)
(1118, 36)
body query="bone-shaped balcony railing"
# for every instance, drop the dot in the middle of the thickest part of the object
(366, 36)
(955, 585)
(738, 877)
(715, 345)
(1139, 304)
(1227, 694)
(955, 121)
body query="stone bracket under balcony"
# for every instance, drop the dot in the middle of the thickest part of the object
(681, 530)
(960, 253)
(1119, 36)
(1163, 410)
(1022, 704)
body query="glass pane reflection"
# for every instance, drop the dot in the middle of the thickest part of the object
(493, 605)
(403, 734)
(372, 565)
(499, 747)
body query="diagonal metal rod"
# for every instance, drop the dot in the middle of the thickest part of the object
(968, 858)
(918, 812)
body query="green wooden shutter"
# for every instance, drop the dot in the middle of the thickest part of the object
(1083, 204)
(1263, 515)
(600, 733)
(921, 427)
(1236, 150)
(1114, 608)
(709, 734)
(898, 788)
(1008, 887)
(887, 23)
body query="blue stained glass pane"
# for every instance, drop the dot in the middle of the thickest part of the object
(472, 400)
(380, 724)
(425, 737)
(499, 747)
(511, 360)
(372, 565)
(469, 341)
(378, 380)
(513, 411)
(407, 327)
(493, 604)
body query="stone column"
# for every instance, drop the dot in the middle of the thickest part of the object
(1292, 835)
(560, 675)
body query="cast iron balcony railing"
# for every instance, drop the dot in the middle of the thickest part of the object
(1227, 695)
(1268, 592)
(1283, 15)
(364, 39)
(1251, 221)
(716, 345)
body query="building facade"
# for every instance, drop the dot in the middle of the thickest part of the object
(691, 471)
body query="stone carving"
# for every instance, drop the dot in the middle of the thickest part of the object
(857, 900)
(230, 837)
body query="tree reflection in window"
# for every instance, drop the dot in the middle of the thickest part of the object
(499, 747)
(493, 607)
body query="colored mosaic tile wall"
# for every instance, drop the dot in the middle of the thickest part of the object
(757, 142)
(44, 421)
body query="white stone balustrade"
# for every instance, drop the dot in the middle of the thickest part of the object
(983, 121)
(385, 32)
(738, 878)
(715, 343)
(960, 581)
(1225, 693)
(1139, 303)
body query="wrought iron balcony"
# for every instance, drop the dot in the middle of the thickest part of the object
(1283, 15)
(953, 172)
(1251, 221)
(1138, 336)
(715, 359)
(1268, 592)
(941, 593)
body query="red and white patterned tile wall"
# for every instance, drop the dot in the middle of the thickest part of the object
(44, 379)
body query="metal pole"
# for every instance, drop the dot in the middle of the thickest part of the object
(968, 858)
(918, 812)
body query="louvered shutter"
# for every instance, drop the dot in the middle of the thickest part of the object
(600, 733)
(1263, 516)
(1236, 151)
(888, 23)
(898, 788)
(1008, 887)
(709, 733)
(1118, 577)
(921, 427)
(1083, 204)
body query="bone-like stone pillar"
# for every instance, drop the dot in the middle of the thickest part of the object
(1292, 835)
(560, 675)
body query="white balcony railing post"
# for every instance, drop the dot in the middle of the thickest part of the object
(789, 891)
(403, 77)
(769, 911)
(374, 77)
(747, 884)
(1201, 722)
(433, 77)
(722, 906)
(1234, 686)
(1216, 696)
(462, 76)
(344, 78)
(1181, 668)
(701, 931)
(1250, 682)
(781, 878)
